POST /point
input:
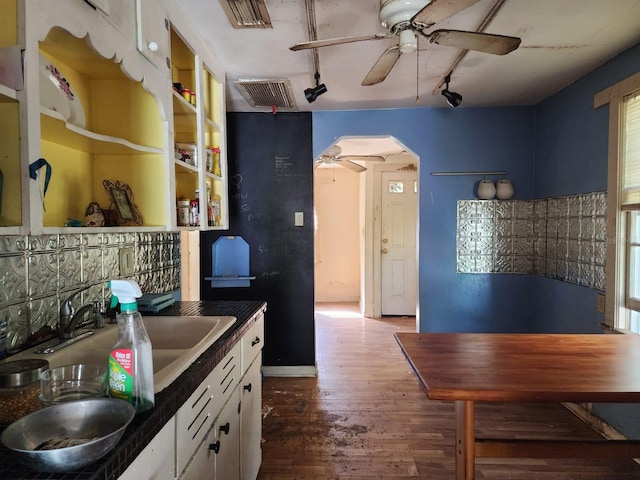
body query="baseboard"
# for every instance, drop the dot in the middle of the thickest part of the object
(583, 412)
(291, 371)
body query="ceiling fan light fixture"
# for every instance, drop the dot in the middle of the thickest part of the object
(408, 41)
(454, 99)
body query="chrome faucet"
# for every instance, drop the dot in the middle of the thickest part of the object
(70, 319)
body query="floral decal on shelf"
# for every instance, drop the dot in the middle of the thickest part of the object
(62, 82)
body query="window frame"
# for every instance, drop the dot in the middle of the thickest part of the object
(617, 269)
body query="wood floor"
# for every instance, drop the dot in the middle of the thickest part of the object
(365, 417)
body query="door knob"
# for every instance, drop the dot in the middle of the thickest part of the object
(385, 240)
(384, 250)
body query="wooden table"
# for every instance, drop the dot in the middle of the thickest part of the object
(483, 367)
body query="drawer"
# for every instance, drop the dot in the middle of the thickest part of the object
(252, 341)
(195, 417)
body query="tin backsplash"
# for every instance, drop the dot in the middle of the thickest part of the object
(561, 237)
(38, 272)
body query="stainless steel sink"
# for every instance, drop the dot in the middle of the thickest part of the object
(176, 341)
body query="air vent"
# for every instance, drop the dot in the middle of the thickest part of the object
(247, 13)
(267, 93)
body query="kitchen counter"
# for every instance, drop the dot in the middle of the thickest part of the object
(147, 424)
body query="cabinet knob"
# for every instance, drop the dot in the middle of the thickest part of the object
(224, 428)
(255, 341)
(153, 46)
(215, 446)
(247, 387)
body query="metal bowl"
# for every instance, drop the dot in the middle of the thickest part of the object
(69, 435)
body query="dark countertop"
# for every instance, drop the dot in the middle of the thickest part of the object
(147, 424)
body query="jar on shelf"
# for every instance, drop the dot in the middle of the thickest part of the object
(20, 388)
(216, 161)
(209, 162)
(182, 212)
(186, 94)
(188, 153)
(194, 211)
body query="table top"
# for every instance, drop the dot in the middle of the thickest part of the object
(525, 367)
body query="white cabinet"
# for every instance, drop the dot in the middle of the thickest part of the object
(216, 434)
(251, 420)
(152, 34)
(227, 440)
(251, 400)
(98, 106)
(199, 135)
(156, 460)
(197, 415)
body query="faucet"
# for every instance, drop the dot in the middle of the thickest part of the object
(69, 319)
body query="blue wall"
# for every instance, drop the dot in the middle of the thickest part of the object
(571, 157)
(556, 148)
(464, 139)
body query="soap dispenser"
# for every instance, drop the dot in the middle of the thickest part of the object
(131, 361)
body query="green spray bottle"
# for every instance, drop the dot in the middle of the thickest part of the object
(131, 361)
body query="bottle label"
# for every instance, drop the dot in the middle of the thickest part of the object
(121, 374)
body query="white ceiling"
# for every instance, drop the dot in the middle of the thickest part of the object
(561, 41)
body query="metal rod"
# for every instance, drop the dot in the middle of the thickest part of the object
(442, 174)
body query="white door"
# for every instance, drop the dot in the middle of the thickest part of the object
(399, 274)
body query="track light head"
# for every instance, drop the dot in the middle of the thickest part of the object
(453, 98)
(312, 93)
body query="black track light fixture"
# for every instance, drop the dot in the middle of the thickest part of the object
(312, 93)
(453, 98)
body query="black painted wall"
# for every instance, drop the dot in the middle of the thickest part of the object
(270, 178)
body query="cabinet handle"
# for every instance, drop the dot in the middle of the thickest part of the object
(215, 446)
(153, 46)
(255, 342)
(224, 428)
(247, 387)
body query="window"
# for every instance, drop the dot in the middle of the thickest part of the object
(630, 159)
(622, 310)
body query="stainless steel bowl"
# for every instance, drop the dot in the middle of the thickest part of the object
(70, 435)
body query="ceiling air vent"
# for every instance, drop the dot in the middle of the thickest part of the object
(247, 13)
(267, 93)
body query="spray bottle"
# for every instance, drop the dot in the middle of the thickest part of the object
(131, 361)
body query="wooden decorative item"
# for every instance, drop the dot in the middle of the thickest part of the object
(122, 203)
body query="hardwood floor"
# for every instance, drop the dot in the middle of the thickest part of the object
(365, 417)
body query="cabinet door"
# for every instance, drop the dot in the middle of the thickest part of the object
(152, 34)
(157, 459)
(202, 465)
(227, 430)
(251, 421)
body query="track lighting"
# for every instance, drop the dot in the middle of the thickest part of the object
(312, 93)
(453, 98)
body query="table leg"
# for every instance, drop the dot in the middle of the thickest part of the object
(465, 440)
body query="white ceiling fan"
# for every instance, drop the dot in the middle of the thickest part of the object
(333, 157)
(407, 19)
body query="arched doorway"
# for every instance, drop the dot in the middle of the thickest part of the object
(339, 221)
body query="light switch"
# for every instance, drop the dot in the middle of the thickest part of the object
(299, 219)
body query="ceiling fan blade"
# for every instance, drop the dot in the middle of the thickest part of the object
(481, 42)
(338, 41)
(362, 158)
(352, 166)
(439, 10)
(383, 66)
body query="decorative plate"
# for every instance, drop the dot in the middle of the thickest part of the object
(56, 94)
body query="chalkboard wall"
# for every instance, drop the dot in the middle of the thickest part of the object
(271, 178)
